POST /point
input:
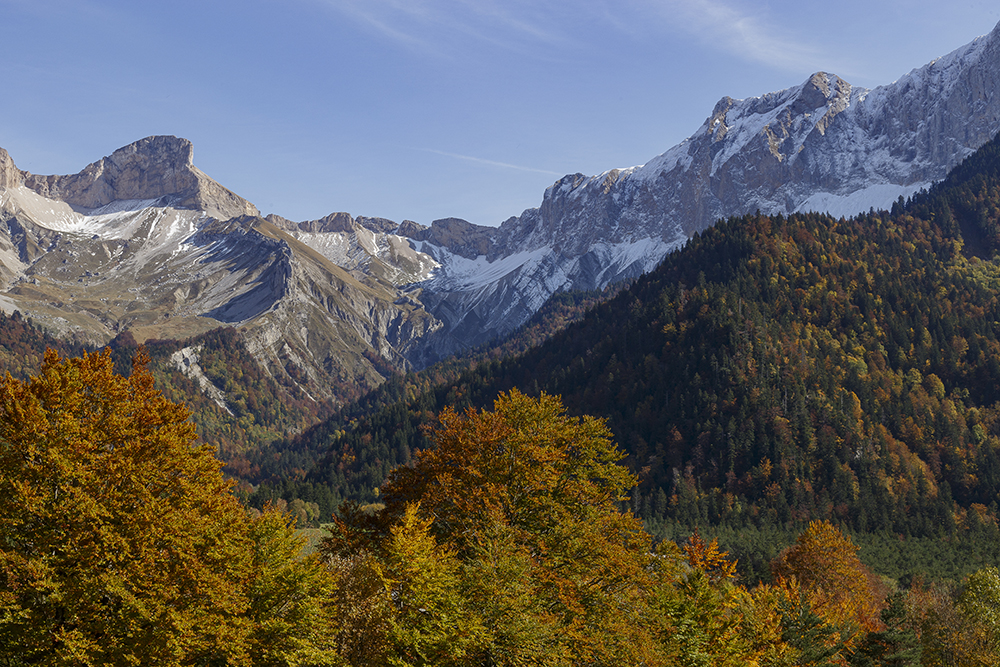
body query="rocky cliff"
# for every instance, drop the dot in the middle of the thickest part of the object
(823, 145)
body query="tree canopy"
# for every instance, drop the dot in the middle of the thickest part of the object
(504, 544)
(119, 540)
(523, 505)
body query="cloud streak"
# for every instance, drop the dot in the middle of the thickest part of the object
(433, 25)
(728, 27)
(570, 29)
(492, 163)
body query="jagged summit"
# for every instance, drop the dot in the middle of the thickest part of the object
(822, 145)
(129, 242)
(151, 168)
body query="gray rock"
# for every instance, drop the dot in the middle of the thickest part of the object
(151, 168)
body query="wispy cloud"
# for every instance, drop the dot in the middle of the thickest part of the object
(562, 28)
(739, 30)
(432, 25)
(492, 163)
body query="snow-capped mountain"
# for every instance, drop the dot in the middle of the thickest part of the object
(142, 240)
(824, 145)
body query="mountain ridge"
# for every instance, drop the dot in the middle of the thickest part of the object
(778, 369)
(143, 240)
(822, 145)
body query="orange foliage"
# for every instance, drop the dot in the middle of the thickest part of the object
(709, 558)
(824, 564)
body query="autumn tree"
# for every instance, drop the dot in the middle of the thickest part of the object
(957, 625)
(364, 610)
(120, 542)
(526, 497)
(976, 634)
(696, 617)
(433, 624)
(293, 601)
(834, 584)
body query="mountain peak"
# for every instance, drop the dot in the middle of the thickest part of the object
(10, 175)
(154, 167)
(819, 91)
(169, 150)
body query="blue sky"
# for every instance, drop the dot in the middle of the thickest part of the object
(423, 109)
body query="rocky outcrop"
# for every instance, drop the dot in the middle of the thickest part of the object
(335, 222)
(151, 168)
(460, 237)
(377, 225)
(10, 175)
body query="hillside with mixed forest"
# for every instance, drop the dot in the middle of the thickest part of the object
(503, 544)
(250, 409)
(777, 369)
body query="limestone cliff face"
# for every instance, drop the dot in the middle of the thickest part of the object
(822, 145)
(10, 175)
(151, 168)
(459, 236)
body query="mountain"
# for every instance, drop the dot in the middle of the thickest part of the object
(778, 369)
(143, 241)
(824, 145)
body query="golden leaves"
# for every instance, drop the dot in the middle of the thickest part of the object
(119, 539)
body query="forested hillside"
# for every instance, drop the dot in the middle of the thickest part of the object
(258, 410)
(503, 544)
(775, 370)
(281, 468)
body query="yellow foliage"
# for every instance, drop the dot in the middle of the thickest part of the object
(823, 562)
(120, 542)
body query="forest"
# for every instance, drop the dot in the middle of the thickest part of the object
(777, 370)
(502, 544)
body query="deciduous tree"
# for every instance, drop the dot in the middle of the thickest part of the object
(839, 597)
(120, 542)
(527, 498)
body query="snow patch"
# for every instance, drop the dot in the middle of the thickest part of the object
(8, 305)
(876, 197)
(117, 220)
(461, 273)
(648, 253)
(123, 206)
(675, 158)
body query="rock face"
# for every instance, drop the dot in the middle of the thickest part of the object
(823, 145)
(143, 240)
(151, 168)
(10, 175)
